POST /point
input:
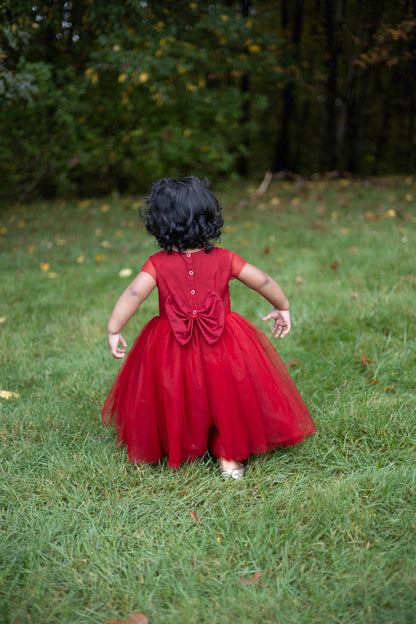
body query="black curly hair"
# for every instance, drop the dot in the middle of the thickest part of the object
(183, 213)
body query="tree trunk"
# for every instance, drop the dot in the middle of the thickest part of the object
(283, 159)
(329, 158)
(242, 163)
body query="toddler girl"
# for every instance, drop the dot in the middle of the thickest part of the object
(199, 376)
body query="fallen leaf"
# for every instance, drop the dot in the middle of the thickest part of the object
(292, 362)
(253, 580)
(105, 208)
(267, 250)
(343, 200)
(321, 225)
(52, 274)
(81, 259)
(195, 516)
(353, 250)
(100, 257)
(335, 265)
(125, 272)
(354, 295)
(44, 266)
(366, 360)
(135, 618)
(6, 394)
(230, 229)
(298, 279)
(389, 389)
(3, 319)
(106, 244)
(373, 381)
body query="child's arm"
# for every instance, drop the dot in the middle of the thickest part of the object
(256, 279)
(130, 301)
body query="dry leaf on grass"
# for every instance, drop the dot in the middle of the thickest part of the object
(253, 580)
(292, 362)
(135, 618)
(7, 394)
(366, 360)
(195, 516)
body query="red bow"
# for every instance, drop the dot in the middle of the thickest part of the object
(209, 318)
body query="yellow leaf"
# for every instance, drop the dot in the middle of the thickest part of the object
(105, 208)
(143, 77)
(53, 275)
(100, 257)
(3, 230)
(254, 48)
(6, 394)
(44, 266)
(106, 244)
(81, 259)
(122, 78)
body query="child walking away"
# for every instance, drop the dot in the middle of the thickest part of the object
(199, 376)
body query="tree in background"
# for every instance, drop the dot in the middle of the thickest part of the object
(98, 95)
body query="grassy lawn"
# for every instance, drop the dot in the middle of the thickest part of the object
(321, 533)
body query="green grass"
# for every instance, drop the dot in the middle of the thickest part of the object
(330, 524)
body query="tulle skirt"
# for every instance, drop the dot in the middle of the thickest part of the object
(234, 397)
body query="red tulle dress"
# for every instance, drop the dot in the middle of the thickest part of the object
(200, 376)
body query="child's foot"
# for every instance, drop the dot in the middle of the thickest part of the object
(231, 469)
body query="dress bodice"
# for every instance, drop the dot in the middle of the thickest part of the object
(193, 288)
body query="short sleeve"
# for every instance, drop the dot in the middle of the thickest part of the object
(149, 268)
(237, 264)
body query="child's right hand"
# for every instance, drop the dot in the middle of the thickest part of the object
(281, 319)
(114, 342)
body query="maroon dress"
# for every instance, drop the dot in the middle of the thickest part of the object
(200, 376)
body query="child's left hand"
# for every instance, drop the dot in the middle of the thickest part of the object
(114, 342)
(281, 325)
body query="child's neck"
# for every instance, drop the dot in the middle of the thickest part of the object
(187, 250)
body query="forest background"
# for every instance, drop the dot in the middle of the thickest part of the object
(98, 96)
